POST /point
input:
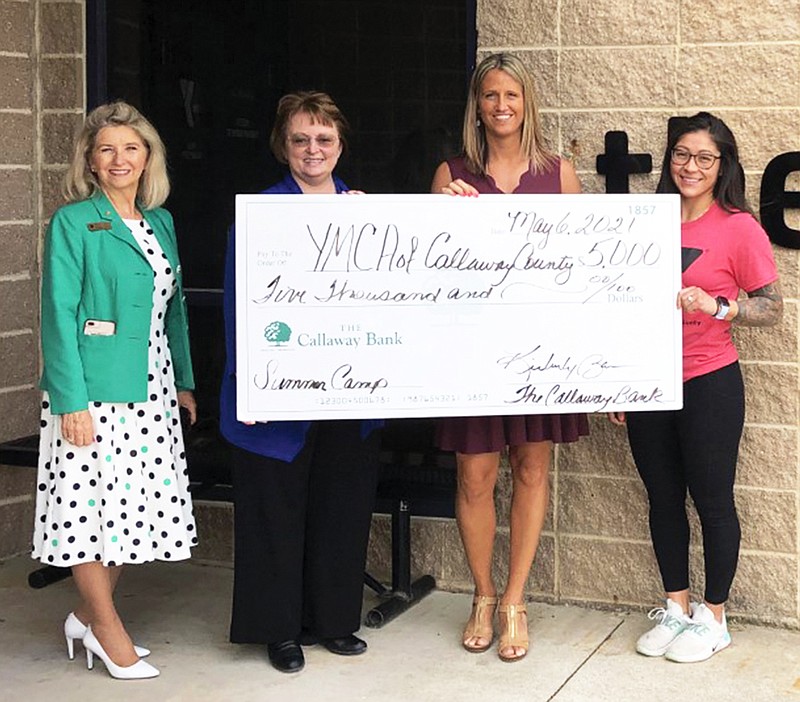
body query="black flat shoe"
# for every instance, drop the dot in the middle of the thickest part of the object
(345, 646)
(286, 656)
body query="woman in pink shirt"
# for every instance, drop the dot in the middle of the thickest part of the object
(724, 250)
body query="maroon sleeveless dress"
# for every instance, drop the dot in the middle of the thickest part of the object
(485, 434)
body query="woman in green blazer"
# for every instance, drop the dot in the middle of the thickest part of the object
(95, 270)
(112, 479)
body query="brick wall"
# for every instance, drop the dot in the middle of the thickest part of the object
(41, 102)
(628, 65)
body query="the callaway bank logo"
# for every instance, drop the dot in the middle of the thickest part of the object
(279, 333)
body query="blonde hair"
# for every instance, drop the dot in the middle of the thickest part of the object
(80, 183)
(532, 142)
(319, 106)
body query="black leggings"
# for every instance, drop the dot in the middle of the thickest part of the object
(696, 447)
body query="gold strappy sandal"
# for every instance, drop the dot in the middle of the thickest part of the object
(480, 624)
(513, 621)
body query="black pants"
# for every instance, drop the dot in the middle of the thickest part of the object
(301, 532)
(696, 447)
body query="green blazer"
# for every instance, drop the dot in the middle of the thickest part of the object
(93, 269)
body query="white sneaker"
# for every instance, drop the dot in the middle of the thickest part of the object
(701, 639)
(671, 622)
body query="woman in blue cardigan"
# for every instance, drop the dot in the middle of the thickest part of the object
(112, 478)
(303, 491)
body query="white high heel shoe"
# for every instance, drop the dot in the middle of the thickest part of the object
(138, 671)
(74, 628)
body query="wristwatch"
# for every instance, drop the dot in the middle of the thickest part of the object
(723, 307)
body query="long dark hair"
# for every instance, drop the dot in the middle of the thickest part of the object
(729, 188)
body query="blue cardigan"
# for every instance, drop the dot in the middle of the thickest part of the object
(281, 440)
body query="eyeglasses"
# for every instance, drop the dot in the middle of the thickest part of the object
(703, 159)
(323, 141)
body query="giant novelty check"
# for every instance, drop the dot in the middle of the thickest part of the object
(431, 305)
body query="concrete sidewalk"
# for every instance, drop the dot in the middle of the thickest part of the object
(181, 612)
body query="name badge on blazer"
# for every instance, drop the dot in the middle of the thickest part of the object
(98, 226)
(99, 327)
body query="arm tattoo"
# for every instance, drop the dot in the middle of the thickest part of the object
(762, 308)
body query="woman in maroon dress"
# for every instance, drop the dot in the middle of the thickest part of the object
(503, 153)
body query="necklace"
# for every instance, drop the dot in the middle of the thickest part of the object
(694, 218)
(130, 211)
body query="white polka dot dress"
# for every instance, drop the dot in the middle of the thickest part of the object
(125, 497)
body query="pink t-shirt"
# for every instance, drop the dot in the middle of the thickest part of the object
(730, 252)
